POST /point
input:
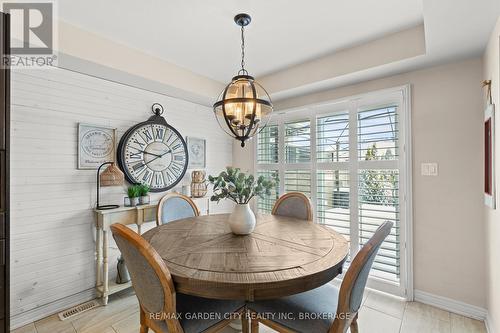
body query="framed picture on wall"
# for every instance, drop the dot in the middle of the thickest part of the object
(96, 145)
(489, 157)
(196, 150)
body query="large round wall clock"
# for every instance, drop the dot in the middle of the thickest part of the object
(153, 153)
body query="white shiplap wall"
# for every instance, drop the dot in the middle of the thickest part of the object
(52, 235)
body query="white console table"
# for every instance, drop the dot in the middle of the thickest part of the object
(125, 215)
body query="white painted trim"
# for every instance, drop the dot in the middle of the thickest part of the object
(488, 323)
(451, 305)
(408, 150)
(51, 308)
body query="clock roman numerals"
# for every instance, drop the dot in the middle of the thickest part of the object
(176, 168)
(153, 154)
(135, 156)
(138, 167)
(147, 135)
(140, 144)
(146, 176)
(159, 134)
(158, 179)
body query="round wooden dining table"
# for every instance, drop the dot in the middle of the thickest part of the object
(282, 256)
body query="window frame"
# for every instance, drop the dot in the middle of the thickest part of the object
(400, 96)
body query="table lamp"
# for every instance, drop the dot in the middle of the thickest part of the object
(111, 176)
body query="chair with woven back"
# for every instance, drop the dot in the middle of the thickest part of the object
(293, 204)
(175, 206)
(326, 309)
(162, 309)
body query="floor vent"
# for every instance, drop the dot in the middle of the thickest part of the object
(76, 310)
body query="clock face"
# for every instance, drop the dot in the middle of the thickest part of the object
(154, 154)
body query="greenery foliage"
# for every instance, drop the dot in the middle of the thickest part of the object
(133, 191)
(378, 187)
(235, 185)
(143, 189)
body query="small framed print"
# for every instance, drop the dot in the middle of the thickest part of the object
(489, 157)
(196, 150)
(96, 145)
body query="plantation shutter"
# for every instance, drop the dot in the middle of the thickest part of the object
(333, 184)
(378, 185)
(298, 142)
(298, 181)
(267, 145)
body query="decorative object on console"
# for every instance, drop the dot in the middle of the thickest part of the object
(153, 153)
(122, 274)
(111, 176)
(240, 188)
(489, 150)
(133, 196)
(96, 145)
(197, 152)
(198, 184)
(143, 194)
(244, 107)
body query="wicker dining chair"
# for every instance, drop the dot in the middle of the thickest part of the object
(326, 309)
(161, 308)
(294, 204)
(175, 206)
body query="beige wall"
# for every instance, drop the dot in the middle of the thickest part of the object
(449, 233)
(492, 72)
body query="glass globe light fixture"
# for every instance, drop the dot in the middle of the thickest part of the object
(244, 107)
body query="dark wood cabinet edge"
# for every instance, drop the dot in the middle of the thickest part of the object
(6, 46)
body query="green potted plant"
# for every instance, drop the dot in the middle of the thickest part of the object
(240, 188)
(133, 196)
(143, 194)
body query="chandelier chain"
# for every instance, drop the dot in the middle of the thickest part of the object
(243, 70)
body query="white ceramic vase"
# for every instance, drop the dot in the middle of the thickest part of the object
(242, 220)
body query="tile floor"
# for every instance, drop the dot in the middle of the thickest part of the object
(380, 314)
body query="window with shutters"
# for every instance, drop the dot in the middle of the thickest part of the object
(332, 134)
(267, 147)
(298, 142)
(351, 158)
(298, 181)
(333, 191)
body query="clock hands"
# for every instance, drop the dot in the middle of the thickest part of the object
(145, 152)
(158, 156)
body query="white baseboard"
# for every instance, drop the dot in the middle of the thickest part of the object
(451, 305)
(51, 308)
(488, 323)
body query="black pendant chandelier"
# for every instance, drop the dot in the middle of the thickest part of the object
(244, 107)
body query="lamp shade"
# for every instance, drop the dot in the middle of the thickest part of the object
(111, 176)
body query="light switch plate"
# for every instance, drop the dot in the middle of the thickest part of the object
(429, 169)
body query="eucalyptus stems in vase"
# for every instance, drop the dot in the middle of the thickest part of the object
(240, 188)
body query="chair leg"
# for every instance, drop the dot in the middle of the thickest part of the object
(144, 327)
(354, 325)
(244, 322)
(254, 326)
